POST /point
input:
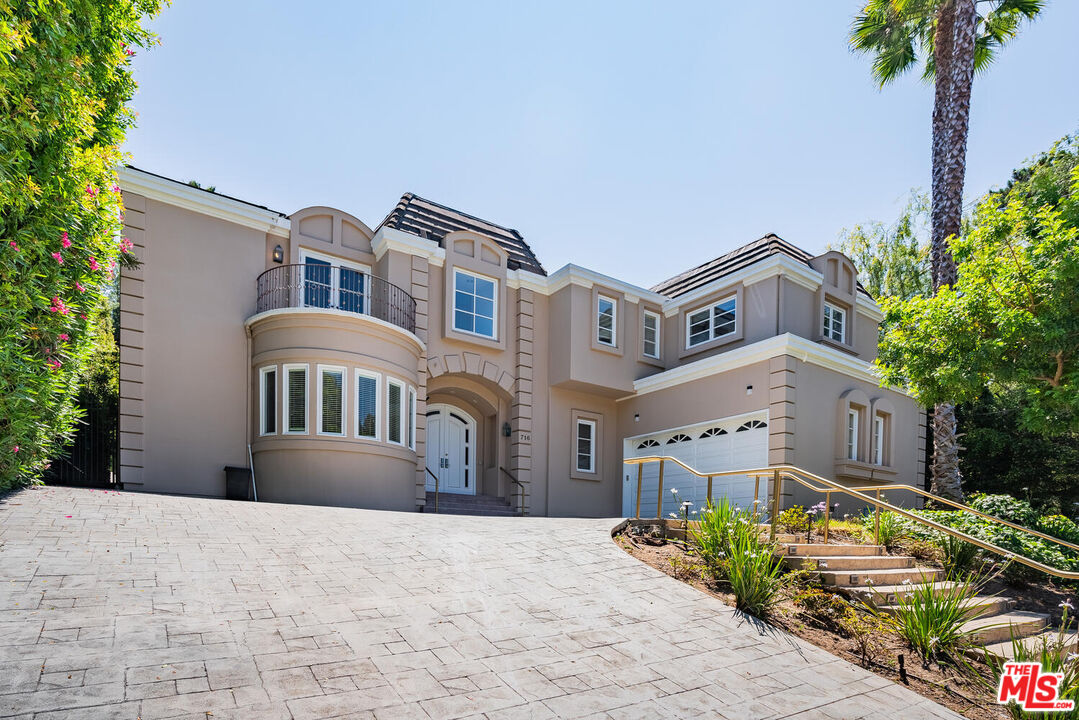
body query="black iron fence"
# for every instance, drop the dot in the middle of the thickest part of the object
(341, 288)
(92, 458)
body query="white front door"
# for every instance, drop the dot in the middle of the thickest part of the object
(451, 438)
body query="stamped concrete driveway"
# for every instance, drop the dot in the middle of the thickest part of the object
(122, 605)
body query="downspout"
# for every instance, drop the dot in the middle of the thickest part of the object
(247, 407)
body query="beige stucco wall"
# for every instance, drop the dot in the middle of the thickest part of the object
(197, 281)
(596, 496)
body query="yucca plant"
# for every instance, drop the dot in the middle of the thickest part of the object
(956, 555)
(931, 620)
(712, 534)
(753, 569)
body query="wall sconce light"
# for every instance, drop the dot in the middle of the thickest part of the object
(636, 417)
(749, 389)
(506, 429)
(279, 254)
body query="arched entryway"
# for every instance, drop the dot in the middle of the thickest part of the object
(451, 449)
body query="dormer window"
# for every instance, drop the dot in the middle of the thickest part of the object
(474, 304)
(711, 323)
(835, 323)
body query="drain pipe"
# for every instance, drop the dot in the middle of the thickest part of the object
(247, 411)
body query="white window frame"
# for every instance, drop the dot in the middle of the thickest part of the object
(852, 433)
(878, 439)
(494, 305)
(335, 278)
(644, 326)
(377, 377)
(263, 372)
(344, 400)
(592, 447)
(392, 381)
(829, 322)
(614, 320)
(711, 308)
(410, 433)
(306, 398)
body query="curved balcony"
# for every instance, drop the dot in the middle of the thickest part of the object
(339, 288)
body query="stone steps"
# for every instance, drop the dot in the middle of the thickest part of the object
(979, 605)
(1006, 650)
(454, 504)
(857, 563)
(817, 549)
(871, 578)
(1000, 628)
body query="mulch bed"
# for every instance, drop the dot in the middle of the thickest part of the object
(945, 686)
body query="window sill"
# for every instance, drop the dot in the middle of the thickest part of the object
(609, 349)
(711, 344)
(863, 470)
(842, 347)
(587, 476)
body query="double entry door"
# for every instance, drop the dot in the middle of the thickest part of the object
(451, 439)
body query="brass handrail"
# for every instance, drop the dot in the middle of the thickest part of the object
(779, 473)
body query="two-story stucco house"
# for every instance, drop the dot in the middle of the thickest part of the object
(360, 365)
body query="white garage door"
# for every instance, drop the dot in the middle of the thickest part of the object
(731, 444)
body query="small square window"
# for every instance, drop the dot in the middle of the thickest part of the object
(835, 323)
(475, 304)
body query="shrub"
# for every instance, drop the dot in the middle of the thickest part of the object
(932, 621)
(1060, 527)
(794, 520)
(1005, 507)
(893, 529)
(867, 630)
(65, 77)
(956, 555)
(753, 570)
(712, 534)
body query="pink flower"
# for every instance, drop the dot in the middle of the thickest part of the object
(93, 264)
(91, 191)
(53, 364)
(64, 240)
(129, 52)
(58, 257)
(58, 306)
(83, 317)
(12, 244)
(63, 336)
(16, 448)
(126, 245)
(116, 188)
(79, 287)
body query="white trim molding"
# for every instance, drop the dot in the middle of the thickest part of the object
(362, 317)
(173, 192)
(785, 344)
(393, 239)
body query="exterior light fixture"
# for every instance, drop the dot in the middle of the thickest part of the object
(279, 254)
(749, 389)
(636, 417)
(506, 429)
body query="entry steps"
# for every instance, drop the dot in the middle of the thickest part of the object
(454, 504)
(870, 574)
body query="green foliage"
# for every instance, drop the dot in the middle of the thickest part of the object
(713, 531)
(1060, 527)
(1009, 321)
(65, 79)
(900, 33)
(753, 570)
(932, 621)
(956, 555)
(1005, 507)
(892, 528)
(794, 520)
(893, 261)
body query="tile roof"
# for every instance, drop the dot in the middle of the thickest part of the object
(426, 219)
(207, 191)
(733, 261)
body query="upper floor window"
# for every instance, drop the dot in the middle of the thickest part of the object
(330, 282)
(586, 446)
(852, 434)
(878, 439)
(710, 323)
(474, 304)
(606, 314)
(650, 335)
(835, 323)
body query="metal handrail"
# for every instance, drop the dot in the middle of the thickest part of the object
(521, 508)
(779, 473)
(436, 486)
(335, 287)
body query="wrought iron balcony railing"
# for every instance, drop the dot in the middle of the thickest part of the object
(340, 288)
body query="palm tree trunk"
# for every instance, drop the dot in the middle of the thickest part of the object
(954, 59)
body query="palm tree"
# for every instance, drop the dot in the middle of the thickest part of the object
(954, 40)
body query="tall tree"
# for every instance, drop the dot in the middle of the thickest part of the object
(954, 40)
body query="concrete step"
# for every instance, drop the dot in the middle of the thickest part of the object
(817, 549)
(851, 563)
(880, 595)
(980, 606)
(998, 628)
(869, 578)
(1006, 650)
(454, 504)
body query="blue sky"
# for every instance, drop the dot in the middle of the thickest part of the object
(599, 130)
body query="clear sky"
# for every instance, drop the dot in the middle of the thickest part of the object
(603, 131)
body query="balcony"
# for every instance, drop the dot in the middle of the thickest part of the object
(339, 288)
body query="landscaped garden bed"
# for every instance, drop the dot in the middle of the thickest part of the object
(728, 556)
